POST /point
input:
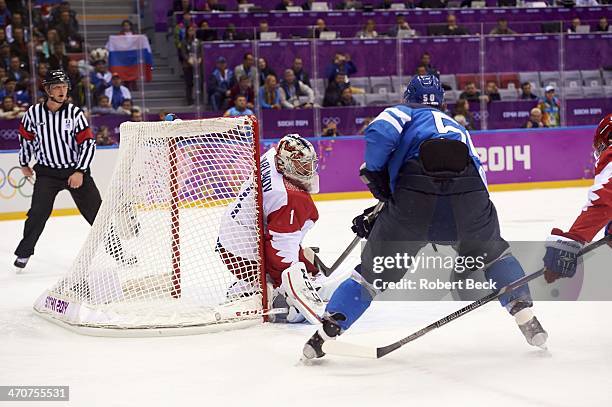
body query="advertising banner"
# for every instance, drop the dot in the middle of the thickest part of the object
(508, 156)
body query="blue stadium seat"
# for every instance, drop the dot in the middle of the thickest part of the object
(449, 80)
(550, 78)
(531, 77)
(376, 99)
(400, 83)
(381, 82)
(573, 92)
(593, 91)
(319, 99)
(572, 79)
(592, 77)
(539, 92)
(318, 85)
(360, 99)
(508, 94)
(395, 98)
(451, 96)
(363, 83)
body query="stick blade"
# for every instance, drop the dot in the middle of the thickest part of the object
(339, 348)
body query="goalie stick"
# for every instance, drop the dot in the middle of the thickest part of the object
(327, 271)
(348, 349)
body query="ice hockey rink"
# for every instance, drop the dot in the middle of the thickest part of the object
(480, 359)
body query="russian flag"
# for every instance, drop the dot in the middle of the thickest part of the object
(127, 54)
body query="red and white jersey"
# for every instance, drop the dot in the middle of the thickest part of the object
(289, 212)
(598, 211)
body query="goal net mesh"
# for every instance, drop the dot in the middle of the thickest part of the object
(152, 258)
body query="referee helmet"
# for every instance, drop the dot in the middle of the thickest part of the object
(56, 76)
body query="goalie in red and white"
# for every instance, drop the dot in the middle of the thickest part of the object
(288, 176)
(562, 247)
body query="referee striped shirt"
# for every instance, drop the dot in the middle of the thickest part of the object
(58, 140)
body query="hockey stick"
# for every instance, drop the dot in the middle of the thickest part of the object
(347, 349)
(328, 270)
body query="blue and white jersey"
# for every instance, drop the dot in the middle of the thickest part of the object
(395, 135)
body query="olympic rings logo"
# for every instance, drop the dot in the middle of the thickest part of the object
(15, 182)
(10, 134)
(328, 120)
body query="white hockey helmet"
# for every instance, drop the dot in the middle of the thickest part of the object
(99, 54)
(297, 160)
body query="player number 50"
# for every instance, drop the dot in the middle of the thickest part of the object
(439, 119)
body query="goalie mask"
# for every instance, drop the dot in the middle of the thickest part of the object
(603, 135)
(296, 159)
(99, 54)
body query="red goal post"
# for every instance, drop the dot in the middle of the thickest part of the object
(151, 263)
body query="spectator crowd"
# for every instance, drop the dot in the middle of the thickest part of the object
(230, 89)
(57, 43)
(54, 34)
(267, 84)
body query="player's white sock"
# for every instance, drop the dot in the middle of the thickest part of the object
(531, 327)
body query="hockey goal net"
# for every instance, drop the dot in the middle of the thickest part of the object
(151, 263)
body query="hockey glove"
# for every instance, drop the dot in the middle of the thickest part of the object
(362, 224)
(377, 182)
(561, 258)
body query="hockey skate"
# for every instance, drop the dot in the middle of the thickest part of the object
(20, 263)
(240, 289)
(123, 259)
(127, 261)
(329, 330)
(531, 328)
(81, 289)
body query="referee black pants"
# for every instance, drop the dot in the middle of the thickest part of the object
(49, 182)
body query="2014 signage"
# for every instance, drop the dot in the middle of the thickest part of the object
(504, 158)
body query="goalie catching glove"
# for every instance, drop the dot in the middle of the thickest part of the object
(561, 258)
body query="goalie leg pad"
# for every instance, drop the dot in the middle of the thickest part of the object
(300, 292)
(292, 316)
(351, 299)
(504, 271)
(326, 286)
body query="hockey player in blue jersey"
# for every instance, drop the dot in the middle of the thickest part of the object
(423, 165)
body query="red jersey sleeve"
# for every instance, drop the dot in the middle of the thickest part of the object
(26, 127)
(598, 211)
(312, 269)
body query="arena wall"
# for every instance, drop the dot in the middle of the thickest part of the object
(514, 159)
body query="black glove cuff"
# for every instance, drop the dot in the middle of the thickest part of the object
(362, 224)
(377, 182)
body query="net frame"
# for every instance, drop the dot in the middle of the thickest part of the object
(58, 307)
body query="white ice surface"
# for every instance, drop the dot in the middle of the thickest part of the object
(479, 360)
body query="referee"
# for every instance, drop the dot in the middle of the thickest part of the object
(57, 134)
